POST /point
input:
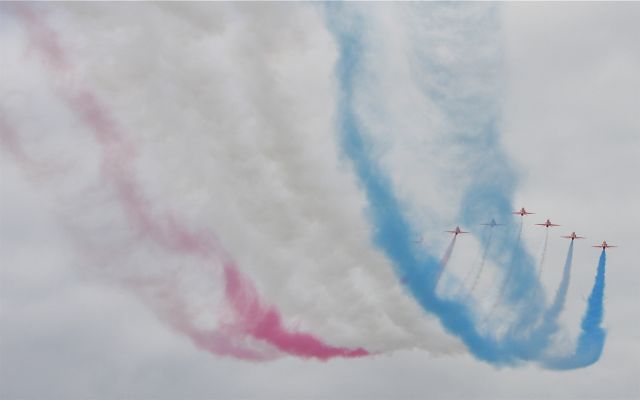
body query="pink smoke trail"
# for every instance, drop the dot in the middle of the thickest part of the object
(265, 322)
(251, 317)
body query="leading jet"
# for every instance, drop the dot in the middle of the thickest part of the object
(604, 245)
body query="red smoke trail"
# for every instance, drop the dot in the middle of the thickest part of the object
(265, 322)
(251, 317)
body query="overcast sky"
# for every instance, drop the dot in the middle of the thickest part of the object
(231, 114)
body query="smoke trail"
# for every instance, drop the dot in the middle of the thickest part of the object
(445, 260)
(486, 196)
(252, 318)
(482, 262)
(558, 303)
(538, 339)
(592, 337)
(392, 231)
(266, 323)
(506, 279)
(544, 253)
(477, 261)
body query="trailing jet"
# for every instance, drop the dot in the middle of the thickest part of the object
(604, 245)
(547, 224)
(457, 231)
(573, 236)
(492, 223)
(522, 212)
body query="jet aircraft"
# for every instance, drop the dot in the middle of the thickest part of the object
(573, 236)
(492, 223)
(522, 212)
(604, 245)
(457, 231)
(548, 224)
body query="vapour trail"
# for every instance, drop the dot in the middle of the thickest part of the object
(482, 263)
(544, 253)
(476, 262)
(445, 259)
(592, 335)
(505, 280)
(252, 317)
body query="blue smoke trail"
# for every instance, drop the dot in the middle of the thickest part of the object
(553, 312)
(487, 196)
(541, 335)
(592, 337)
(393, 233)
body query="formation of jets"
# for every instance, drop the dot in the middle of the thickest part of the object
(522, 212)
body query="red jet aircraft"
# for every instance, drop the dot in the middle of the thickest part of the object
(457, 231)
(547, 224)
(573, 236)
(604, 245)
(522, 212)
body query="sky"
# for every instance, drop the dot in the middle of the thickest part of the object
(151, 155)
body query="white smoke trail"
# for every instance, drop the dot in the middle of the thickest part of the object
(543, 253)
(232, 109)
